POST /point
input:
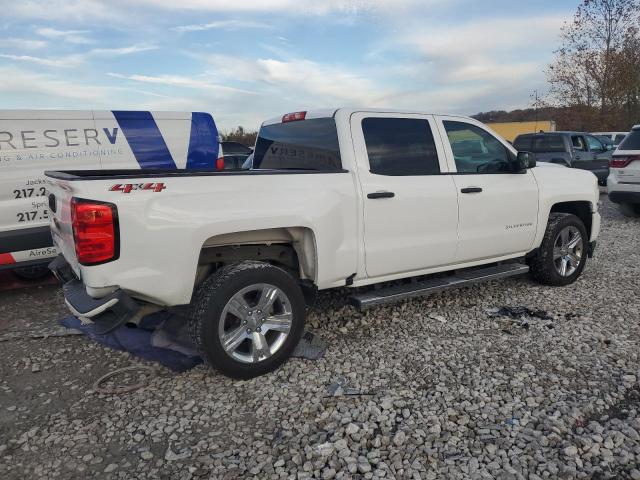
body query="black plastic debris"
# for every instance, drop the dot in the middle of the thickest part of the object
(519, 313)
(520, 316)
(310, 347)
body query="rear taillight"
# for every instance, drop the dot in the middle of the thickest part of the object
(623, 161)
(220, 163)
(95, 231)
(294, 117)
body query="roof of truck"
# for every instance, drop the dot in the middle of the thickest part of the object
(330, 112)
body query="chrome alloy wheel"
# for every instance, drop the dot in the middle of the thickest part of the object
(255, 323)
(568, 249)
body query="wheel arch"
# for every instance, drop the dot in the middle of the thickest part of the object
(293, 248)
(580, 208)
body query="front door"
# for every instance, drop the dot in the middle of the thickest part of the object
(410, 208)
(498, 209)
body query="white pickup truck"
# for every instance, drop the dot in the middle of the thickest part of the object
(412, 202)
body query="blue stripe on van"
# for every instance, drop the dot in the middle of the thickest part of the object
(203, 142)
(145, 140)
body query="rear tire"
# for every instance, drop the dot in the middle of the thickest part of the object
(563, 253)
(630, 210)
(230, 329)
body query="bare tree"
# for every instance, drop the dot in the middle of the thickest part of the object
(596, 48)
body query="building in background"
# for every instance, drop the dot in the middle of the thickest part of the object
(510, 130)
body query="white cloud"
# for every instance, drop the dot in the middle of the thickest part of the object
(303, 81)
(485, 37)
(179, 81)
(72, 36)
(289, 7)
(22, 43)
(61, 62)
(75, 60)
(63, 10)
(114, 52)
(30, 84)
(221, 25)
(98, 10)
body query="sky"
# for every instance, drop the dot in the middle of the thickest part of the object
(248, 60)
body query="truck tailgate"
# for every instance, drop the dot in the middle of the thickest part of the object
(60, 195)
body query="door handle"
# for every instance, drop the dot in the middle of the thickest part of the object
(471, 190)
(381, 195)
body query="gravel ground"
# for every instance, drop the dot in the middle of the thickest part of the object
(431, 388)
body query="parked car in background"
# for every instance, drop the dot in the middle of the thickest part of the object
(334, 198)
(623, 183)
(571, 149)
(234, 154)
(615, 137)
(32, 141)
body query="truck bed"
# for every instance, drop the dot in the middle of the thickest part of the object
(77, 175)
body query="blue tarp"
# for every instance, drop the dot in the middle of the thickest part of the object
(138, 341)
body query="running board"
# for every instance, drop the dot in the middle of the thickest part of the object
(462, 278)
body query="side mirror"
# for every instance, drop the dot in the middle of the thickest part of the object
(523, 161)
(608, 148)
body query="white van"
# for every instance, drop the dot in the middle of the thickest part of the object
(32, 141)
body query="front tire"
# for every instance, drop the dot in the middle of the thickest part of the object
(247, 318)
(563, 253)
(630, 210)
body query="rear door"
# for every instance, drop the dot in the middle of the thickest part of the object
(600, 154)
(498, 209)
(409, 201)
(583, 158)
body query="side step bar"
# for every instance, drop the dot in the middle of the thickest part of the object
(462, 278)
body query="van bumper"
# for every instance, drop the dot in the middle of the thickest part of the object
(25, 247)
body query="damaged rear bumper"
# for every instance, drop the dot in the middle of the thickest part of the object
(108, 313)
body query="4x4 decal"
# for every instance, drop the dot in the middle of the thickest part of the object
(130, 187)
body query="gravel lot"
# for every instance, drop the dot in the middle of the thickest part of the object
(432, 388)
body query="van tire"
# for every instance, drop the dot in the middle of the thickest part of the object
(32, 273)
(542, 264)
(207, 313)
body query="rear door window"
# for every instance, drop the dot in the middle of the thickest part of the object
(299, 145)
(578, 143)
(400, 146)
(631, 141)
(594, 144)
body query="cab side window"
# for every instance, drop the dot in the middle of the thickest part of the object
(475, 150)
(400, 146)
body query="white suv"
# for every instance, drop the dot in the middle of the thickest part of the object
(623, 183)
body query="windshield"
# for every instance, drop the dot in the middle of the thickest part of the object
(300, 145)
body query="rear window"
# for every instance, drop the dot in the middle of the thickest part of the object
(540, 144)
(301, 145)
(400, 146)
(631, 141)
